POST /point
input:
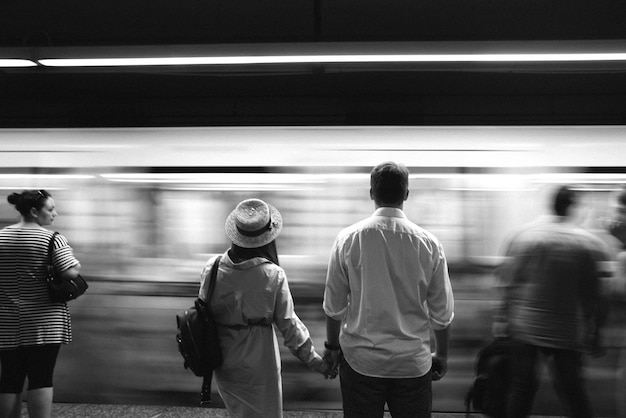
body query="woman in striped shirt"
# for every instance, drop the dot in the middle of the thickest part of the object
(32, 328)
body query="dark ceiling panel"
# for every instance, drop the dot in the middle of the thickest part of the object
(45, 97)
(266, 21)
(66, 100)
(124, 22)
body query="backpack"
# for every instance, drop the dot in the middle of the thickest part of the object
(197, 337)
(490, 389)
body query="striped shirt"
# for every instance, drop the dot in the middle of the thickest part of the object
(27, 316)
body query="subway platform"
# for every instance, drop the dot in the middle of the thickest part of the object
(75, 410)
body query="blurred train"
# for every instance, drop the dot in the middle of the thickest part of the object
(145, 208)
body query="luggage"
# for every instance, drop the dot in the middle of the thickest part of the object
(490, 390)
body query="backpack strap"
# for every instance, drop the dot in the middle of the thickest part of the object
(212, 280)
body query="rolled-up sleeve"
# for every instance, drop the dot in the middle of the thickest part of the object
(337, 287)
(440, 298)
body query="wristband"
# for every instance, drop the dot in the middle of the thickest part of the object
(331, 347)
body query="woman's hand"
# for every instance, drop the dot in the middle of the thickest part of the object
(321, 366)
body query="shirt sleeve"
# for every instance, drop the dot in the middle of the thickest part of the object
(440, 298)
(296, 335)
(337, 286)
(597, 284)
(290, 326)
(62, 255)
(504, 281)
(602, 257)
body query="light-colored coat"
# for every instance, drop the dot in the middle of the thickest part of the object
(249, 298)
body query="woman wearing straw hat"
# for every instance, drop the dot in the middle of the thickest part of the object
(251, 294)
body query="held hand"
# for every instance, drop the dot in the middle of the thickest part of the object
(331, 357)
(321, 366)
(439, 367)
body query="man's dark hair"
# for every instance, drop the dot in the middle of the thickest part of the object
(564, 198)
(389, 183)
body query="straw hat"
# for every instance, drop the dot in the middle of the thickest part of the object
(253, 224)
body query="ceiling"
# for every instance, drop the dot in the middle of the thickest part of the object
(310, 94)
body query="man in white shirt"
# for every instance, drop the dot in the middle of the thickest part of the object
(387, 287)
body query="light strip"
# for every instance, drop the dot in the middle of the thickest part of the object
(330, 59)
(211, 178)
(16, 63)
(45, 176)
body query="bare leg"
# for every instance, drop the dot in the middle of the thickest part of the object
(40, 403)
(10, 405)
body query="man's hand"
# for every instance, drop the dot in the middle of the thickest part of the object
(439, 367)
(593, 346)
(332, 358)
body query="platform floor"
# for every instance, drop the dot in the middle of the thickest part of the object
(67, 410)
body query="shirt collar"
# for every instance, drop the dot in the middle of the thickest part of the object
(389, 212)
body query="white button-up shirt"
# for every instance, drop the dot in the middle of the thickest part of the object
(388, 283)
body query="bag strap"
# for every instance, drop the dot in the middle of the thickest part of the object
(51, 247)
(213, 279)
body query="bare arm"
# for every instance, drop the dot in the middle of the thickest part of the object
(71, 273)
(333, 327)
(332, 331)
(440, 357)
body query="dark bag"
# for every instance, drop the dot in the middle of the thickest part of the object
(490, 389)
(198, 339)
(61, 289)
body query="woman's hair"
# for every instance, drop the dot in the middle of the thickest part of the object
(239, 254)
(389, 182)
(27, 200)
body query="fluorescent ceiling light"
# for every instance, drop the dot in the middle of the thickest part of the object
(335, 53)
(230, 178)
(45, 176)
(16, 63)
(330, 59)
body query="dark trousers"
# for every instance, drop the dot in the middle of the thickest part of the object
(365, 397)
(35, 362)
(566, 367)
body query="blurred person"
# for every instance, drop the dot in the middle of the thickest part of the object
(617, 228)
(387, 288)
(32, 328)
(552, 305)
(251, 294)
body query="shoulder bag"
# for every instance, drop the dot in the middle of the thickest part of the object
(59, 288)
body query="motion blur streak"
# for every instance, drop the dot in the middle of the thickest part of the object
(145, 208)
